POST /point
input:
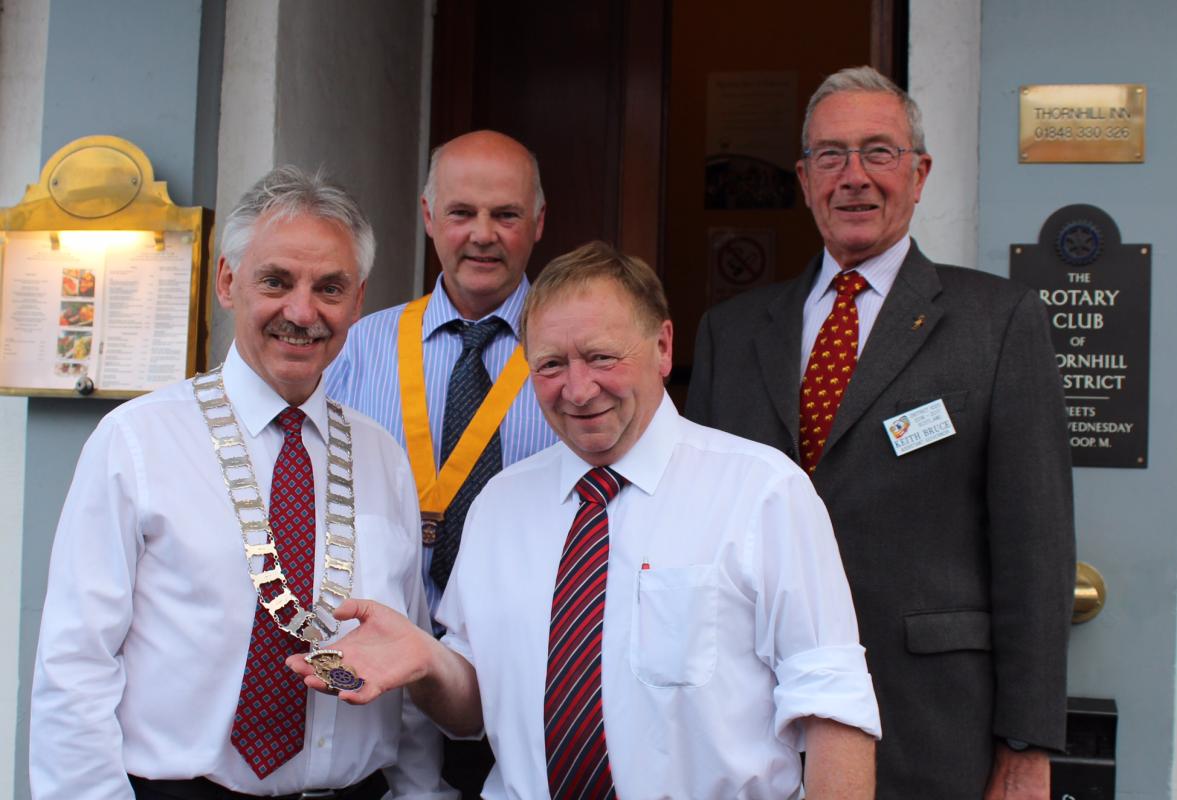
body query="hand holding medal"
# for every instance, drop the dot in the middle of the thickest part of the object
(385, 652)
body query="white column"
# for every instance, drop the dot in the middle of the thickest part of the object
(944, 77)
(245, 146)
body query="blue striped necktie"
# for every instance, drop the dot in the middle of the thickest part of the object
(574, 726)
(468, 387)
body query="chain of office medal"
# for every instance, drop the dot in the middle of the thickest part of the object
(339, 554)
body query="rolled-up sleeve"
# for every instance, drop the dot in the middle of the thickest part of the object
(806, 629)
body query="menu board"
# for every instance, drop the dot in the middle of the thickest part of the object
(111, 306)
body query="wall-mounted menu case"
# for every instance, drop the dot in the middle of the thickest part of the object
(103, 280)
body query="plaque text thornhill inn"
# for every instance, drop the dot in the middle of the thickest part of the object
(1082, 123)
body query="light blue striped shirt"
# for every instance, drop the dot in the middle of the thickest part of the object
(880, 273)
(365, 376)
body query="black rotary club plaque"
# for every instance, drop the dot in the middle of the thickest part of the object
(1096, 292)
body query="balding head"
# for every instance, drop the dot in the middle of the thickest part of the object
(486, 143)
(484, 209)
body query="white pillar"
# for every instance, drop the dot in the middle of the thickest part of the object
(245, 146)
(944, 77)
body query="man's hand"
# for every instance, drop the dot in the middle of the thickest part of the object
(1018, 775)
(388, 652)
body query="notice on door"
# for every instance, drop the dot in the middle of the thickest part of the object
(751, 139)
(739, 259)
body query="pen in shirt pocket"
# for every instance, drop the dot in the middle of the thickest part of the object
(645, 566)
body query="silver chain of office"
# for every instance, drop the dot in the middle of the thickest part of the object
(335, 585)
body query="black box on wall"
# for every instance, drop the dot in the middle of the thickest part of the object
(1088, 769)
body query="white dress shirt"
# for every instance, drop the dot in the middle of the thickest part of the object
(741, 625)
(366, 376)
(880, 273)
(150, 607)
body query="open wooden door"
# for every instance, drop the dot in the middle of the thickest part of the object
(617, 100)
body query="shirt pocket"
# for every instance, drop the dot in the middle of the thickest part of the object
(673, 632)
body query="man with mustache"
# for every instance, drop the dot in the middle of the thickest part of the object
(212, 527)
(925, 403)
(445, 374)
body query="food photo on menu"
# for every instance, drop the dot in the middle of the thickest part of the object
(70, 369)
(77, 282)
(75, 314)
(74, 345)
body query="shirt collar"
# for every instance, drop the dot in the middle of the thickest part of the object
(880, 271)
(256, 404)
(644, 464)
(441, 311)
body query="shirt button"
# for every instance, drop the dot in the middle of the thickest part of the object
(322, 742)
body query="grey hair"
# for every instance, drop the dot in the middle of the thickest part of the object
(866, 79)
(286, 191)
(430, 190)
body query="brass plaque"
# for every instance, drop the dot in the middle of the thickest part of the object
(1083, 123)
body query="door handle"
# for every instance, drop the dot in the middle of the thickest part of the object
(1090, 593)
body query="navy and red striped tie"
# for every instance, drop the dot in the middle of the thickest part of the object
(574, 727)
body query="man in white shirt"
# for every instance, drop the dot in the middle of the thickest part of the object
(173, 600)
(684, 630)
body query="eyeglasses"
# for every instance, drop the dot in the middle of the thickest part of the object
(875, 158)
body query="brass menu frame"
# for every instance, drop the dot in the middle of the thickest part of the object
(105, 183)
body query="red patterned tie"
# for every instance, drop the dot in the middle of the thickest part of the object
(574, 728)
(271, 713)
(832, 362)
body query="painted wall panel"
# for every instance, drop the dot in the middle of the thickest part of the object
(145, 71)
(24, 33)
(1124, 517)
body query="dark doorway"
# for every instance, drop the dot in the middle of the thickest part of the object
(630, 106)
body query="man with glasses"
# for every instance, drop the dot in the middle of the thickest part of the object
(924, 402)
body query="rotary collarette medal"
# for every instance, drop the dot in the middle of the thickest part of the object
(436, 488)
(318, 624)
(329, 667)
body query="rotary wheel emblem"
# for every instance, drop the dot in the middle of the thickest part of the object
(1079, 243)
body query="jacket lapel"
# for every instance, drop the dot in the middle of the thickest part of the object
(778, 349)
(896, 337)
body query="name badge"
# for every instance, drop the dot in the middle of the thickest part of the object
(919, 427)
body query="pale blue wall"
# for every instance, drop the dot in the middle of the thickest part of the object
(1125, 518)
(132, 68)
(148, 71)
